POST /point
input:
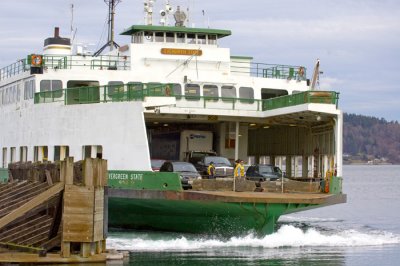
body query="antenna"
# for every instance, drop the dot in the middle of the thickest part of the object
(148, 9)
(111, 12)
(164, 20)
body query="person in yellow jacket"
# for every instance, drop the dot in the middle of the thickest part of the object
(211, 170)
(239, 170)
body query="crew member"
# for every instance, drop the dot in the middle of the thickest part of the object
(239, 169)
(211, 170)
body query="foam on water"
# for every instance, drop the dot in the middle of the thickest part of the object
(286, 236)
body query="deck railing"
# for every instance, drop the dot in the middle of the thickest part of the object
(102, 62)
(108, 62)
(276, 71)
(138, 92)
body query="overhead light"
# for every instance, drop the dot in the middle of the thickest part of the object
(155, 123)
(165, 125)
(292, 125)
(252, 124)
(265, 126)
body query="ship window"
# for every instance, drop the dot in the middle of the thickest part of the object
(228, 92)
(135, 90)
(115, 90)
(83, 91)
(138, 37)
(212, 39)
(61, 152)
(170, 37)
(191, 38)
(92, 151)
(40, 153)
(246, 94)
(159, 36)
(148, 37)
(192, 91)
(177, 89)
(23, 154)
(272, 93)
(210, 91)
(12, 155)
(55, 86)
(180, 37)
(29, 89)
(4, 156)
(155, 89)
(201, 39)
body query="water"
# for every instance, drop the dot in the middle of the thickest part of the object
(364, 231)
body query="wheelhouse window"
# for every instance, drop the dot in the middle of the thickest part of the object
(191, 38)
(212, 39)
(201, 39)
(180, 38)
(246, 94)
(148, 36)
(210, 91)
(228, 92)
(159, 36)
(192, 91)
(169, 37)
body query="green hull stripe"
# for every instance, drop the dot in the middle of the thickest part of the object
(144, 180)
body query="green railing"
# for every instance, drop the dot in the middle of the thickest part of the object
(324, 97)
(108, 93)
(138, 91)
(270, 70)
(102, 62)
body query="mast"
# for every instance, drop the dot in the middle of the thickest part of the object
(111, 12)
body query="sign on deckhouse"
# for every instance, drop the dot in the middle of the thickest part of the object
(175, 51)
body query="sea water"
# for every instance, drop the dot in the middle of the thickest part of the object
(363, 231)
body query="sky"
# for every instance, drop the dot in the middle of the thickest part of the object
(356, 41)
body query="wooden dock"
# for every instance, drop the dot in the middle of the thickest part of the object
(54, 212)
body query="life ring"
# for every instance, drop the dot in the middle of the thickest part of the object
(36, 60)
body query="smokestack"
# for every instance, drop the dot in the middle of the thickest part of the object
(56, 32)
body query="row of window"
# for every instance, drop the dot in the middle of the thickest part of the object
(12, 92)
(41, 153)
(175, 37)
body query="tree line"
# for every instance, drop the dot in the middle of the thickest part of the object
(369, 138)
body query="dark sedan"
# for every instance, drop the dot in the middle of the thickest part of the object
(263, 172)
(186, 170)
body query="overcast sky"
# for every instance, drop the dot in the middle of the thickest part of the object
(357, 41)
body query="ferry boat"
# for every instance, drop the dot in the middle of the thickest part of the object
(137, 101)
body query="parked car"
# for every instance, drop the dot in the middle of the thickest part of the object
(223, 168)
(156, 164)
(186, 170)
(263, 172)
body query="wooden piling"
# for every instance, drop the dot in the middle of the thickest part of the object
(81, 233)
